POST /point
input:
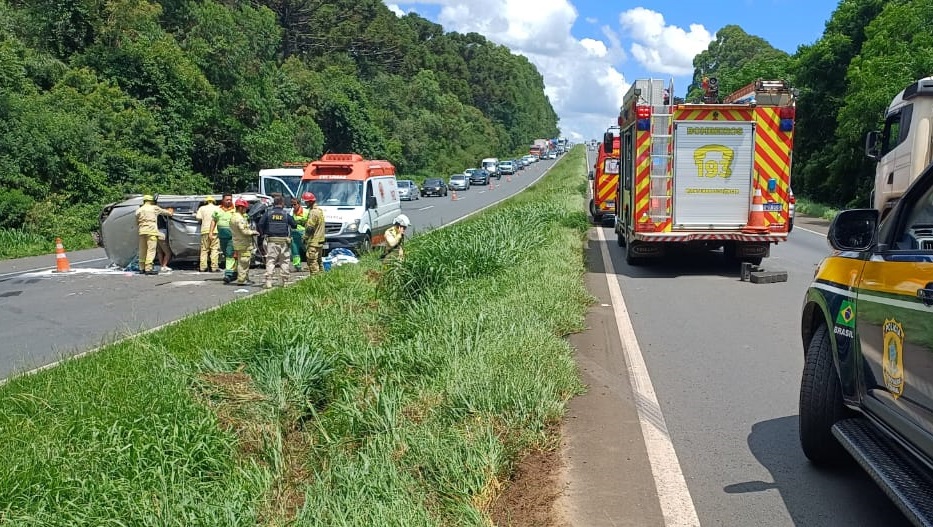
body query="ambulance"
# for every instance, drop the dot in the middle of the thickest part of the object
(359, 198)
(707, 175)
(605, 179)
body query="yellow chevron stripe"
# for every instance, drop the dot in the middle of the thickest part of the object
(709, 114)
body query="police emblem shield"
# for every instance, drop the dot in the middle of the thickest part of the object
(893, 357)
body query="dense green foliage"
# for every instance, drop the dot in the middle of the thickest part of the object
(736, 58)
(386, 407)
(101, 98)
(869, 51)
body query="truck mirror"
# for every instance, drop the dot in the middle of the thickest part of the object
(607, 142)
(590, 174)
(371, 202)
(872, 145)
(854, 230)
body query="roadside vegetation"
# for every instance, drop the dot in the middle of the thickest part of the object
(817, 210)
(370, 395)
(133, 97)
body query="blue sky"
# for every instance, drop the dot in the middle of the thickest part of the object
(589, 51)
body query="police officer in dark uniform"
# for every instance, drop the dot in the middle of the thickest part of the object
(276, 226)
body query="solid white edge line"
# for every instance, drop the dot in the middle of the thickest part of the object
(804, 229)
(24, 271)
(673, 494)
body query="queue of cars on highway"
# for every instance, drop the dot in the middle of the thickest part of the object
(492, 168)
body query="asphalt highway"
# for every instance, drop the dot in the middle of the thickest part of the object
(725, 359)
(45, 317)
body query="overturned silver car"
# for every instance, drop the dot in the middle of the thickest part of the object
(120, 239)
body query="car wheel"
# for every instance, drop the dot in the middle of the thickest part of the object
(821, 403)
(790, 225)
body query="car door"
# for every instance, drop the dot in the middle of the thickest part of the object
(894, 318)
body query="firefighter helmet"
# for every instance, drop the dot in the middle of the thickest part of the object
(308, 196)
(241, 203)
(402, 220)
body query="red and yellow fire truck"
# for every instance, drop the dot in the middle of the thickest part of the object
(605, 179)
(707, 175)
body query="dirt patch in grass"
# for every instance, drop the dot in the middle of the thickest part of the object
(236, 403)
(529, 497)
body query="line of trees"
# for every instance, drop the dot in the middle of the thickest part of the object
(869, 51)
(99, 98)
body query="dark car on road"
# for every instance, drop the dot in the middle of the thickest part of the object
(433, 187)
(478, 176)
(867, 386)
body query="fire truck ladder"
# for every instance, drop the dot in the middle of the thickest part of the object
(662, 159)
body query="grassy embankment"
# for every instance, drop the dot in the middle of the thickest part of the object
(365, 396)
(816, 210)
(18, 243)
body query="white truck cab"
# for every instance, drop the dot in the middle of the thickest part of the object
(903, 147)
(284, 180)
(491, 165)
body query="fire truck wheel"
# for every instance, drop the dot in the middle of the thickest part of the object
(630, 257)
(821, 403)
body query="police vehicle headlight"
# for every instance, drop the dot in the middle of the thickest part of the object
(353, 226)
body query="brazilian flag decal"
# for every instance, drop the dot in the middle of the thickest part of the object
(846, 316)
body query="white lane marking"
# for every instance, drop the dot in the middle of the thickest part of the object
(804, 229)
(24, 271)
(125, 338)
(673, 494)
(426, 208)
(482, 192)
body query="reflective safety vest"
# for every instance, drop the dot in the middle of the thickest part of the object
(223, 216)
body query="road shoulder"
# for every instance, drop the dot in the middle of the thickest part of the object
(606, 476)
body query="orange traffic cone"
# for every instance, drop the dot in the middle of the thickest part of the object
(508, 179)
(757, 224)
(453, 195)
(61, 260)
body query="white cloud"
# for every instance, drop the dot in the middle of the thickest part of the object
(595, 48)
(592, 20)
(399, 12)
(581, 80)
(662, 48)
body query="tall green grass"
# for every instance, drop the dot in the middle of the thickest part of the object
(369, 395)
(816, 210)
(18, 243)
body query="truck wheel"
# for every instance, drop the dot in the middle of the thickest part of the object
(821, 403)
(630, 257)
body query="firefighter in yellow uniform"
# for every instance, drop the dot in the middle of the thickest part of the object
(210, 244)
(147, 220)
(222, 217)
(314, 233)
(242, 242)
(300, 214)
(395, 238)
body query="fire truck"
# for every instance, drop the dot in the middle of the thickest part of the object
(704, 175)
(605, 179)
